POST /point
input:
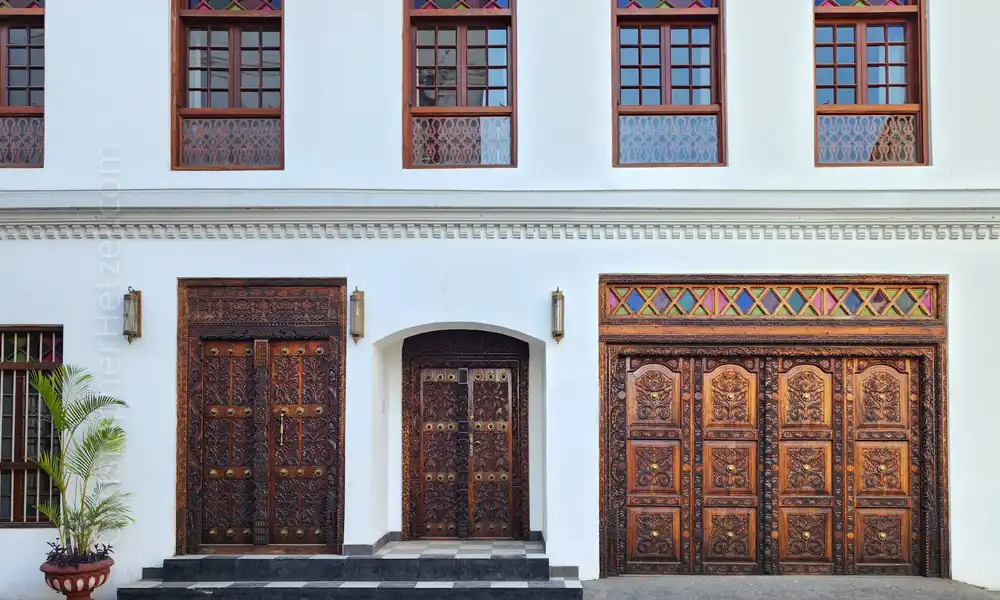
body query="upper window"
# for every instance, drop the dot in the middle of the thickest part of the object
(228, 85)
(669, 96)
(460, 105)
(870, 83)
(22, 91)
(25, 428)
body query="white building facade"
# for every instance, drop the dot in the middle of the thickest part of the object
(441, 249)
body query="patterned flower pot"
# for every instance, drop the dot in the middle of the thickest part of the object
(77, 582)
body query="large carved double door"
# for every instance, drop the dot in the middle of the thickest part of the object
(768, 464)
(263, 443)
(465, 438)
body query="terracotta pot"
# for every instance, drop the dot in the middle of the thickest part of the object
(77, 582)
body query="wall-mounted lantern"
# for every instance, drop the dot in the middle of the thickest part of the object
(558, 315)
(357, 315)
(132, 315)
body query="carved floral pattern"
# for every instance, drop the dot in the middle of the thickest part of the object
(730, 468)
(654, 396)
(805, 398)
(730, 536)
(806, 469)
(491, 514)
(730, 401)
(807, 536)
(883, 538)
(662, 475)
(881, 401)
(654, 535)
(881, 469)
(491, 401)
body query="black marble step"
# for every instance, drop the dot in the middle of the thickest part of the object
(379, 590)
(354, 568)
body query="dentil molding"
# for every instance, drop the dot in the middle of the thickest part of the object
(358, 222)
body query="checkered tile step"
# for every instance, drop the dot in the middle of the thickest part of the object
(462, 549)
(554, 583)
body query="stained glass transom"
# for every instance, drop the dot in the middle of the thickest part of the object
(460, 4)
(872, 3)
(626, 4)
(785, 301)
(234, 4)
(22, 4)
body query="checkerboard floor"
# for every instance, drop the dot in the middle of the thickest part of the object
(462, 549)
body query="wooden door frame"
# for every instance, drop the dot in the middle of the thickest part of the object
(193, 329)
(449, 348)
(924, 339)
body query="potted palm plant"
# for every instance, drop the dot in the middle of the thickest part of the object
(90, 503)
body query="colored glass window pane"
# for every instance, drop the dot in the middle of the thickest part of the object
(234, 4)
(22, 4)
(626, 4)
(461, 4)
(872, 3)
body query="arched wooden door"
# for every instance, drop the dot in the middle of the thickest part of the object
(465, 436)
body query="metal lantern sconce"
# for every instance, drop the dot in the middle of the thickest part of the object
(132, 315)
(558, 315)
(357, 315)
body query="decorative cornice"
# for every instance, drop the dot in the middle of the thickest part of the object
(500, 223)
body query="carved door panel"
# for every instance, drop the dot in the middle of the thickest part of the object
(302, 442)
(466, 483)
(656, 513)
(883, 452)
(442, 503)
(726, 470)
(228, 443)
(491, 505)
(805, 514)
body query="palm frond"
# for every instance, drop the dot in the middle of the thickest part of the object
(87, 407)
(97, 450)
(52, 464)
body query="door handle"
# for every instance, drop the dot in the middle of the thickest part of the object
(281, 429)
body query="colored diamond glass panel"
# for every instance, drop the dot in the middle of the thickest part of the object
(872, 3)
(852, 302)
(905, 302)
(22, 4)
(771, 301)
(687, 301)
(661, 301)
(927, 303)
(234, 4)
(460, 4)
(879, 302)
(744, 301)
(709, 301)
(796, 301)
(634, 301)
(613, 301)
(667, 4)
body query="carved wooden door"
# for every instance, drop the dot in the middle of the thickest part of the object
(466, 482)
(726, 487)
(805, 431)
(269, 443)
(882, 451)
(227, 395)
(302, 448)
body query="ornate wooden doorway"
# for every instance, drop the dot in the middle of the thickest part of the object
(800, 432)
(465, 436)
(260, 448)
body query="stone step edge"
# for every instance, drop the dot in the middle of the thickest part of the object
(552, 583)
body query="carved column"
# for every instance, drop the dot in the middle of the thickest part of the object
(262, 420)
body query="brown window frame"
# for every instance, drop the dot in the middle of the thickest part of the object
(182, 22)
(17, 464)
(914, 18)
(17, 18)
(460, 19)
(665, 18)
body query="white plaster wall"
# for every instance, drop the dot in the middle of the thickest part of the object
(504, 283)
(343, 102)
